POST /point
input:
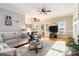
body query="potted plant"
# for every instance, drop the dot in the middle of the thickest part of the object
(70, 41)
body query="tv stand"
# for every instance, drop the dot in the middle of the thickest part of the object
(53, 35)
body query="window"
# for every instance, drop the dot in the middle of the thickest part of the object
(62, 27)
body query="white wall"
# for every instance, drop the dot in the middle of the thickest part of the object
(75, 23)
(69, 21)
(15, 16)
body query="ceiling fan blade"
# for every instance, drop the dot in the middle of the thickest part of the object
(48, 11)
(45, 13)
(40, 13)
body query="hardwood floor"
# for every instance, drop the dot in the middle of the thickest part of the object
(56, 39)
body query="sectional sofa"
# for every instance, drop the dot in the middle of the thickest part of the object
(10, 40)
(14, 39)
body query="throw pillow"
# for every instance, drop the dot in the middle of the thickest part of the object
(1, 48)
(1, 40)
(22, 35)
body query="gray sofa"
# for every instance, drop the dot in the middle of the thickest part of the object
(13, 39)
(5, 50)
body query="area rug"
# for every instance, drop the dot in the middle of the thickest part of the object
(50, 48)
(57, 49)
(24, 50)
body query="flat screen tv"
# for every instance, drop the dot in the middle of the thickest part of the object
(53, 29)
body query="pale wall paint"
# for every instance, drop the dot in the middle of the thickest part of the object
(76, 23)
(50, 20)
(15, 16)
(69, 21)
(67, 18)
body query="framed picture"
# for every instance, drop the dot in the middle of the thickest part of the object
(36, 20)
(8, 20)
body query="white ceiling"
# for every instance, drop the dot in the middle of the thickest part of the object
(31, 8)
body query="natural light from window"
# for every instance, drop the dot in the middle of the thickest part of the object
(62, 27)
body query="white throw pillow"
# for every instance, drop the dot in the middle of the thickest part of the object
(1, 39)
(3, 46)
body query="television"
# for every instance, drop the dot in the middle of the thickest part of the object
(53, 29)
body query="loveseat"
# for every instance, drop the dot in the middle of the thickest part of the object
(14, 39)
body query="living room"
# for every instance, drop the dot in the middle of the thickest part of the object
(19, 20)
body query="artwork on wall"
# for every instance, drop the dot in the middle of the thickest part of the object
(36, 20)
(8, 20)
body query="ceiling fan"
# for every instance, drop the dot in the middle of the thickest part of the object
(44, 10)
